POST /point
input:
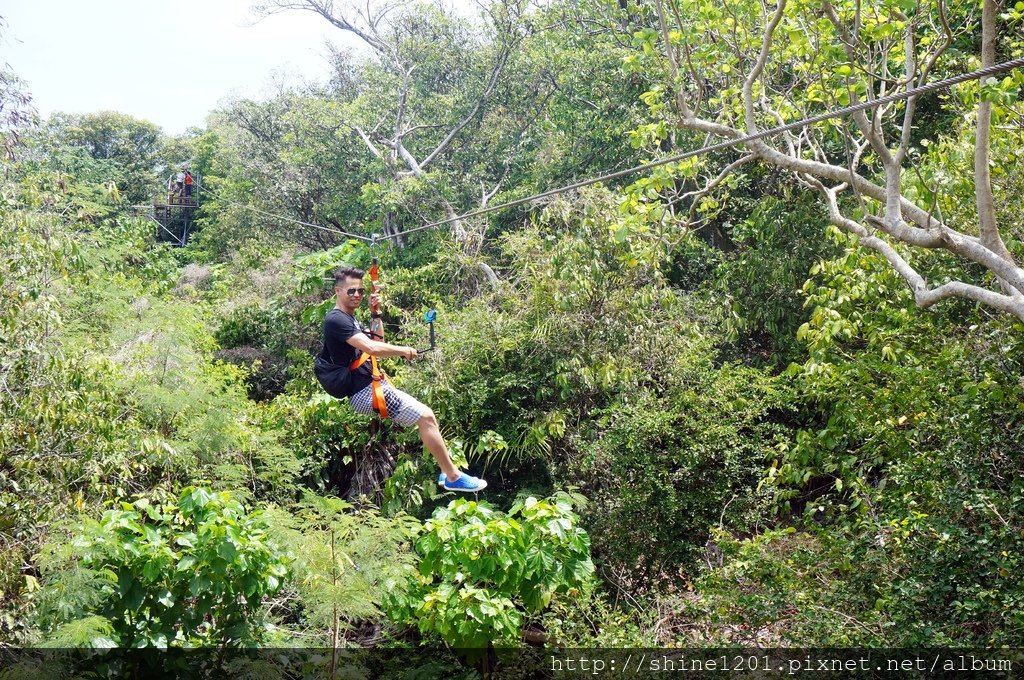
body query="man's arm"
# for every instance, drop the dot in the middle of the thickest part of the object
(380, 349)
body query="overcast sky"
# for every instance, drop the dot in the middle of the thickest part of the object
(170, 62)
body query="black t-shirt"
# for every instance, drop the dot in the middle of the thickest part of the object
(338, 328)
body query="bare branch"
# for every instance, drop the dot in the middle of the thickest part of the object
(402, 95)
(325, 8)
(923, 296)
(910, 65)
(872, 130)
(755, 73)
(710, 186)
(947, 40)
(499, 65)
(928, 234)
(407, 157)
(684, 107)
(925, 237)
(486, 196)
(369, 143)
(424, 126)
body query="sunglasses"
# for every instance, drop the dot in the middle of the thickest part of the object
(356, 291)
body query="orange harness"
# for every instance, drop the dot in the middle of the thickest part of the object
(377, 386)
(380, 406)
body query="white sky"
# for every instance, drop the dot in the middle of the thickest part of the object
(168, 62)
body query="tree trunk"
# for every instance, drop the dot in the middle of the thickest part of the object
(373, 467)
(989, 229)
(389, 225)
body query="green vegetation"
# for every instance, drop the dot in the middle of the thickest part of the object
(480, 571)
(146, 575)
(724, 402)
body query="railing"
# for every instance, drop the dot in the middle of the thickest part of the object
(176, 195)
(185, 201)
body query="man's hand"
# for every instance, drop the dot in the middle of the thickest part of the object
(409, 353)
(375, 299)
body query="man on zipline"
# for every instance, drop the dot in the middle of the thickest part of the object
(345, 339)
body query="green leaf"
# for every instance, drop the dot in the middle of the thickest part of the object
(228, 551)
(152, 570)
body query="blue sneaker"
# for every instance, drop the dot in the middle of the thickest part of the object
(441, 479)
(465, 483)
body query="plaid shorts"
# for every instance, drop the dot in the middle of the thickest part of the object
(404, 409)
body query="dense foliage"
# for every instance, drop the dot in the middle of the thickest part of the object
(480, 571)
(742, 426)
(146, 575)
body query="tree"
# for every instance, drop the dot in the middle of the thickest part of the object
(565, 107)
(125, 147)
(437, 76)
(287, 156)
(739, 67)
(15, 106)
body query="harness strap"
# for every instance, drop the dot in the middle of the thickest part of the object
(376, 328)
(378, 376)
(380, 405)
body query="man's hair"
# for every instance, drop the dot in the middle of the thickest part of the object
(345, 273)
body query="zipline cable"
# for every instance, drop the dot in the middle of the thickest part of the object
(305, 224)
(332, 230)
(923, 89)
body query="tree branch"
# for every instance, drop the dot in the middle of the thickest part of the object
(486, 196)
(684, 107)
(402, 95)
(499, 65)
(923, 296)
(325, 8)
(887, 219)
(710, 186)
(870, 129)
(369, 143)
(755, 73)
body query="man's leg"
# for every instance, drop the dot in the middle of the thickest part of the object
(430, 433)
(405, 410)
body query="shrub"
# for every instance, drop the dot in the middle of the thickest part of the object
(664, 469)
(482, 571)
(265, 373)
(194, 574)
(905, 478)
